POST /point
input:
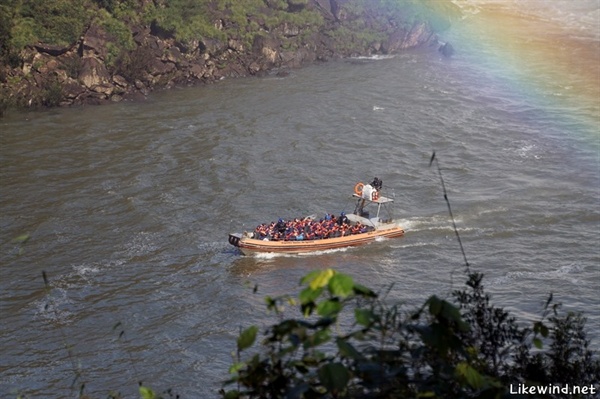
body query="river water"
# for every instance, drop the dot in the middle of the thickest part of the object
(127, 207)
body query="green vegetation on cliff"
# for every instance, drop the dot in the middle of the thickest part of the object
(62, 22)
(71, 52)
(58, 22)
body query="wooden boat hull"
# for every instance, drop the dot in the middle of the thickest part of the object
(250, 246)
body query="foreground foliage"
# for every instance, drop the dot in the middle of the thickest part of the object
(352, 344)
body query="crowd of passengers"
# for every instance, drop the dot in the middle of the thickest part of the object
(309, 229)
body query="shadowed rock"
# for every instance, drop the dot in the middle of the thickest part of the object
(446, 49)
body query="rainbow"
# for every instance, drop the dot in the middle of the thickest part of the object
(545, 52)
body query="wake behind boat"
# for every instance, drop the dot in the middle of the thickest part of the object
(308, 234)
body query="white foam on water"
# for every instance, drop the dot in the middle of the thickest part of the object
(273, 255)
(375, 57)
(564, 273)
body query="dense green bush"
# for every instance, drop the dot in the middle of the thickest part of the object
(405, 13)
(135, 64)
(23, 23)
(120, 41)
(352, 344)
(6, 17)
(61, 23)
(189, 20)
(186, 20)
(57, 22)
(52, 93)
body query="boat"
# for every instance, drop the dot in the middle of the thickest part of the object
(304, 235)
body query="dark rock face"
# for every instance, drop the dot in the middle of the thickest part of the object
(88, 75)
(93, 73)
(447, 50)
(52, 50)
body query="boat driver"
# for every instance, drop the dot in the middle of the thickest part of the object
(377, 183)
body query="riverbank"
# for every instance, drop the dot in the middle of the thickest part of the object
(127, 58)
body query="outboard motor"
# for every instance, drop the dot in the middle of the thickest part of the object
(234, 240)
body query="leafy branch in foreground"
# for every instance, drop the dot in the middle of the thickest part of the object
(352, 344)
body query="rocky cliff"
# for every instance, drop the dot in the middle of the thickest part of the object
(86, 72)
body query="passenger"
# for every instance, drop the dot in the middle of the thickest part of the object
(335, 231)
(307, 229)
(345, 230)
(260, 232)
(281, 226)
(343, 219)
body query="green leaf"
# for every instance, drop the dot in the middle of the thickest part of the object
(540, 328)
(348, 350)
(235, 368)
(538, 343)
(451, 312)
(322, 279)
(247, 337)
(307, 308)
(235, 394)
(364, 317)
(364, 291)
(443, 309)
(435, 305)
(309, 295)
(329, 308)
(341, 285)
(472, 376)
(334, 377)
(271, 303)
(22, 239)
(309, 277)
(285, 327)
(313, 359)
(147, 393)
(317, 339)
